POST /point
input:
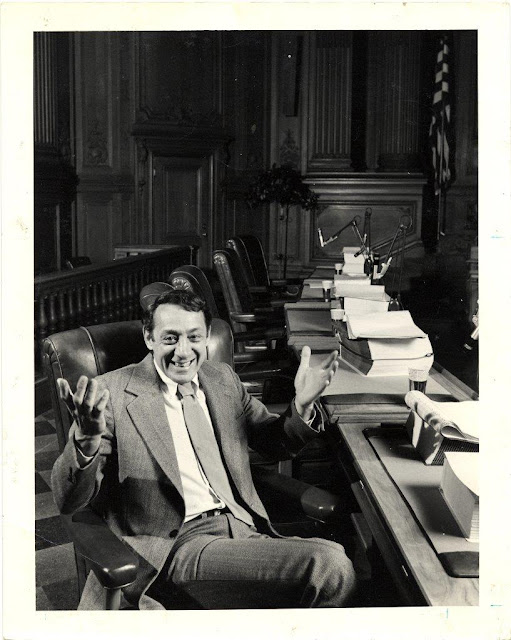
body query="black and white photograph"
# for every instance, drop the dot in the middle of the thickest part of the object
(254, 234)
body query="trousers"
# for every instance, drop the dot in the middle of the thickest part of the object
(223, 563)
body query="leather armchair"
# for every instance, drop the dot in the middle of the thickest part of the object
(243, 310)
(95, 350)
(255, 268)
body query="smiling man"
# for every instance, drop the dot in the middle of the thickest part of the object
(160, 449)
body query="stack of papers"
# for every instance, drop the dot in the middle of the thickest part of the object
(352, 265)
(396, 324)
(460, 489)
(384, 343)
(357, 306)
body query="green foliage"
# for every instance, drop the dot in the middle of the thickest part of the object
(283, 185)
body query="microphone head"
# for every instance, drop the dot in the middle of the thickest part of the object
(321, 241)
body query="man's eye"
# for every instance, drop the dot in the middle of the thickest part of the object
(169, 340)
(196, 337)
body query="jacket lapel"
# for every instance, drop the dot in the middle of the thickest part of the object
(147, 411)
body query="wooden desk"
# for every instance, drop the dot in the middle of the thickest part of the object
(355, 402)
(408, 555)
(354, 397)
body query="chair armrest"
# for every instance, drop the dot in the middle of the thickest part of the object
(288, 282)
(256, 317)
(244, 317)
(259, 289)
(316, 503)
(111, 560)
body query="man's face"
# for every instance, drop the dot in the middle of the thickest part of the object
(178, 341)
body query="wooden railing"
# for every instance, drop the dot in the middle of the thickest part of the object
(99, 294)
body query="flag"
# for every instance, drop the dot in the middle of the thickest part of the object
(440, 132)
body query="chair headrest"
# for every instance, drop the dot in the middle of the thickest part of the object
(151, 291)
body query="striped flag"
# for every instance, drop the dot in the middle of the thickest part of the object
(440, 134)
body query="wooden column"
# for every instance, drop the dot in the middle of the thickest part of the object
(54, 178)
(329, 108)
(45, 90)
(393, 101)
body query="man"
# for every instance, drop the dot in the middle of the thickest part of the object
(135, 455)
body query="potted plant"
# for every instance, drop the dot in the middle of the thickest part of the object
(285, 186)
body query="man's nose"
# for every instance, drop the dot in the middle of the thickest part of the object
(183, 346)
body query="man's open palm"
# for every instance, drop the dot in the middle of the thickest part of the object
(86, 406)
(310, 382)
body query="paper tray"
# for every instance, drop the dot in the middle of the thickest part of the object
(418, 484)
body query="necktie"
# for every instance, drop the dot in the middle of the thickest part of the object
(207, 452)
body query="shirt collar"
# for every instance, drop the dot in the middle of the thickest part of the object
(170, 384)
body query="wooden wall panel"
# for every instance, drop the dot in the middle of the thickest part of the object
(178, 77)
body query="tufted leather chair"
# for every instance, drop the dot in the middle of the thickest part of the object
(255, 357)
(191, 277)
(255, 268)
(95, 350)
(243, 309)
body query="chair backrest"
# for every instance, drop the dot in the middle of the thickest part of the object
(250, 251)
(234, 285)
(191, 277)
(97, 349)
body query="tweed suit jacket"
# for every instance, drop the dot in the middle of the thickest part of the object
(133, 481)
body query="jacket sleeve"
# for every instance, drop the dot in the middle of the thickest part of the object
(74, 487)
(281, 436)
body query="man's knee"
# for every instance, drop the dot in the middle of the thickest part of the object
(332, 573)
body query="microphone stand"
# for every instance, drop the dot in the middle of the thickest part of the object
(351, 223)
(395, 303)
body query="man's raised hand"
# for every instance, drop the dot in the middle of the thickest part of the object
(87, 408)
(310, 382)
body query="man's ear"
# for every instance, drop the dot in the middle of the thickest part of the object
(148, 339)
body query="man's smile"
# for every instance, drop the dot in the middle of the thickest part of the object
(182, 364)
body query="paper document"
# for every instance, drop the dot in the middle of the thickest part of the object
(396, 324)
(454, 420)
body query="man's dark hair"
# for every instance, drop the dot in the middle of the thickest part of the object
(180, 297)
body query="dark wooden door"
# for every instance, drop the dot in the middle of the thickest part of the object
(182, 203)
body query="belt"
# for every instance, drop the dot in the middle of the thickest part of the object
(212, 512)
